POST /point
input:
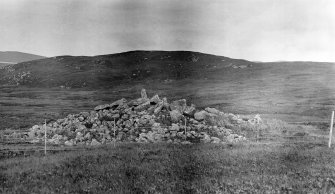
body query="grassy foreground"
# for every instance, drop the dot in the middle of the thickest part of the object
(168, 168)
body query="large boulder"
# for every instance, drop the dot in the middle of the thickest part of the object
(212, 110)
(175, 116)
(201, 115)
(114, 105)
(190, 110)
(137, 102)
(159, 108)
(143, 106)
(155, 99)
(166, 104)
(179, 105)
(144, 94)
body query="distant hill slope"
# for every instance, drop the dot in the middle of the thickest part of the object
(107, 70)
(17, 57)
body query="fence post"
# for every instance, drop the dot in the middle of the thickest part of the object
(114, 132)
(185, 129)
(257, 137)
(45, 137)
(331, 130)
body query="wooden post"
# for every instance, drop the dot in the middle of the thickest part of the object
(331, 130)
(114, 132)
(185, 128)
(257, 138)
(45, 137)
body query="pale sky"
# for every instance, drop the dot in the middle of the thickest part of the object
(259, 30)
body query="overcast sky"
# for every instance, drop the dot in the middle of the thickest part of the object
(261, 30)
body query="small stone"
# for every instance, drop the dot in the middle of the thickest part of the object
(116, 116)
(174, 127)
(68, 143)
(205, 137)
(94, 142)
(215, 140)
(87, 136)
(193, 121)
(79, 135)
(186, 143)
(80, 128)
(156, 124)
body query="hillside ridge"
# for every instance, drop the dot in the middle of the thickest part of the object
(103, 70)
(17, 57)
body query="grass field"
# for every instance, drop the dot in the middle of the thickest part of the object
(286, 158)
(168, 168)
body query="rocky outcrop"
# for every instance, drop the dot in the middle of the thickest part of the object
(143, 120)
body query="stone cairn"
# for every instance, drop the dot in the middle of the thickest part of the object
(143, 120)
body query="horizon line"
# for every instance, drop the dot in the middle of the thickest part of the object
(138, 50)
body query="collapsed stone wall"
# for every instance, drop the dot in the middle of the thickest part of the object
(141, 120)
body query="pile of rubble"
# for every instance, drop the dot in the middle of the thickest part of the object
(145, 120)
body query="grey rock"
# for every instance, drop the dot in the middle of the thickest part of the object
(212, 110)
(158, 109)
(116, 116)
(201, 115)
(179, 105)
(205, 138)
(186, 143)
(80, 128)
(175, 116)
(165, 104)
(68, 143)
(174, 127)
(143, 106)
(95, 142)
(144, 94)
(190, 110)
(114, 105)
(155, 99)
(87, 136)
(215, 140)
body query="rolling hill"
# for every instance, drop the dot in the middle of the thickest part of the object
(12, 57)
(54, 87)
(107, 70)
